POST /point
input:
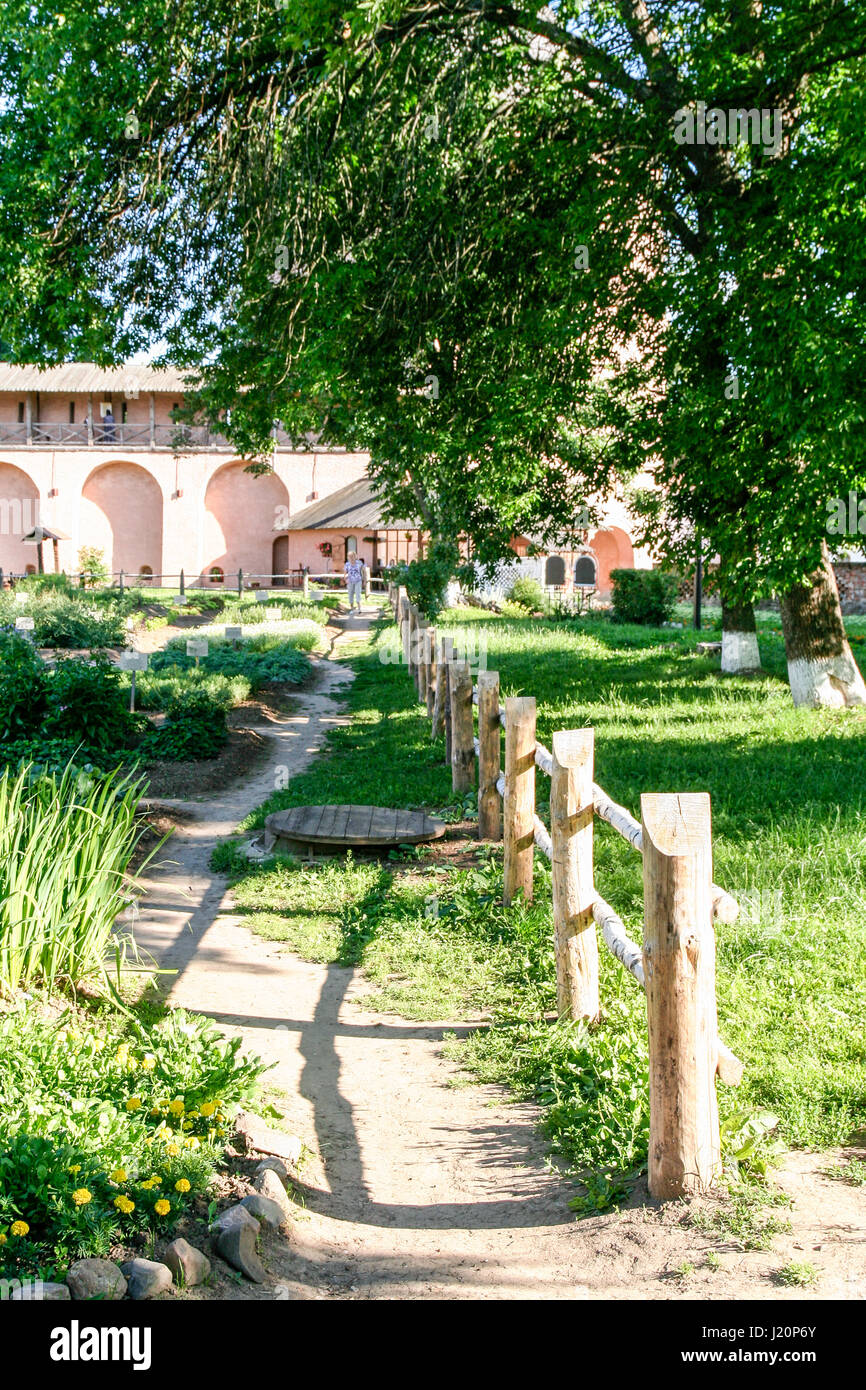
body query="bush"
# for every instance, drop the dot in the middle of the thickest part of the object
(526, 593)
(643, 596)
(156, 690)
(195, 727)
(66, 842)
(92, 565)
(87, 704)
(91, 1117)
(23, 680)
(267, 658)
(68, 618)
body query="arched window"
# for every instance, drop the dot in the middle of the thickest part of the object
(216, 575)
(554, 571)
(145, 573)
(585, 571)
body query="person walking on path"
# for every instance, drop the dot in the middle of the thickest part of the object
(354, 568)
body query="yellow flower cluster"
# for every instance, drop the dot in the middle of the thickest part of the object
(162, 1207)
(153, 1181)
(118, 1175)
(182, 1185)
(133, 1104)
(19, 1228)
(81, 1197)
(124, 1204)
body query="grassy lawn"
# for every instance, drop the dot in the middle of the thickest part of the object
(788, 810)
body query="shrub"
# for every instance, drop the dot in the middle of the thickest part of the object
(69, 618)
(156, 689)
(426, 578)
(643, 596)
(195, 727)
(23, 680)
(263, 659)
(90, 1114)
(92, 565)
(526, 593)
(66, 842)
(87, 704)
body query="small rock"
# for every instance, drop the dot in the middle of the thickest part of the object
(37, 1292)
(268, 1184)
(264, 1209)
(146, 1278)
(256, 1135)
(95, 1279)
(273, 1165)
(188, 1265)
(234, 1217)
(237, 1244)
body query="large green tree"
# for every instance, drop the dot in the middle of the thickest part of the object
(469, 237)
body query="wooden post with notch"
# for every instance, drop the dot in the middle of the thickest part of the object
(519, 800)
(430, 661)
(680, 965)
(489, 756)
(421, 659)
(441, 707)
(462, 734)
(571, 812)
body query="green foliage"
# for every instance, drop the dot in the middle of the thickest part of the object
(92, 1112)
(646, 597)
(23, 693)
(92, 566)
(426, 578)
(87, 703)
(66, 842)
(526, 593)
(195, 727)
(68, 618)
(262, 659)
(155, 690)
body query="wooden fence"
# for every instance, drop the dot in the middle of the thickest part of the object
(676, 963)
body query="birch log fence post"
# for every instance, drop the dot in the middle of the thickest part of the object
(410, 660)
(679, 958)
(404, 626)
(430, 662)
(421, 659)
(442, 706)
(519, 799)
(462, 739)
(489, 756)
(571, 814)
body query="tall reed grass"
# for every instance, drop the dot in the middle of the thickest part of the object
(66, 842)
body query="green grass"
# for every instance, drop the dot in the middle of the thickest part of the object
(788, 826)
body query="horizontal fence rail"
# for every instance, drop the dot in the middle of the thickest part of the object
(675, 964)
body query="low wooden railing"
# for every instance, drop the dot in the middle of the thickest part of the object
(675, 963)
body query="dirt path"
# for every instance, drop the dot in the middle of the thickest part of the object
(419, 1187)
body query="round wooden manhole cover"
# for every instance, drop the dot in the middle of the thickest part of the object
(351, 825)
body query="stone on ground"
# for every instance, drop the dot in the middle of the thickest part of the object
(188, 1265)
(273, 1165)
(264, 1209)
(40, 1293)
(267, 1182)
(146, 1278)
(255, 1135)
(96, 1278)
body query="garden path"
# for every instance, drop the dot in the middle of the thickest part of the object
(418, 1187)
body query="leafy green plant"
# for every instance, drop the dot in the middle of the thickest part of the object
(643, 596)
(92, 566)
(66, 842)
(23, 680)
(87, 703)
(527, 594)
(799, 1274)
(108, 1130)
(195, 727)
(262, 659)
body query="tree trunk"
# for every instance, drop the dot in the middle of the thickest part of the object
(821, 669)
(739, 638)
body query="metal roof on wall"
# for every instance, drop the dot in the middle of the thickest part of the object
(351, 508)
(79, 377)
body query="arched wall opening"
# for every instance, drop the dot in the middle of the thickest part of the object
(19, 514)
(613, 550)
(241, 511)
(121, 514)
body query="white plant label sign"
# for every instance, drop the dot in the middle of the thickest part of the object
(196, 646)
(234, 634)
(133, 661)
(24, 624)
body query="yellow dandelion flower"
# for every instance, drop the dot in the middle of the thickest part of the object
(208, 1108)
(182, 1185)
(172, 1150)
(124, 1204)
(19, 1228)
(155, 1179)
(122, 1054)
(162, 1207)
(2, 1239)
(176, 1107)
(81, 1197)
(118, 1175)
(74, 1168)
(148, 1061)
(191, 1144)
(133, 1104)
(148, 1184)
